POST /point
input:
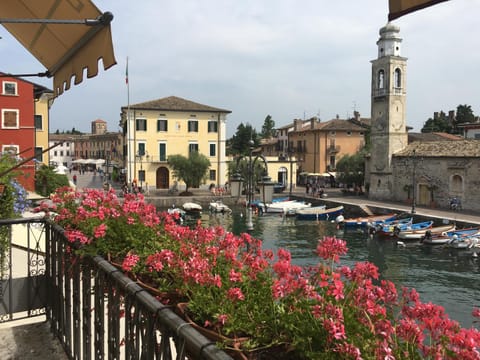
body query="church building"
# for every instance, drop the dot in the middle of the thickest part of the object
(422, 173)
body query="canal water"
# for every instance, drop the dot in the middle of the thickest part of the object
(446, 277)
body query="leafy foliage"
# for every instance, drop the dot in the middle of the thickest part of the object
(239, 144)
(47, 181)
(443, 123)
(13, 201)
(440, 123)
(268, 128)
(351, 169)
(192, 170)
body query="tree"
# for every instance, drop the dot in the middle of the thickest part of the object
(464, 114)
(440, 123)
(351, 169)
(239, 144)
(268, 128)
(192, 170)
(47, 180)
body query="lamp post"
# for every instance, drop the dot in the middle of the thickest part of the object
(414, 185)
(290, 152)
(141, 173)
(266, 184)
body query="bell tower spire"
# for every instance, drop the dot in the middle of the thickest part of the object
(388, 110)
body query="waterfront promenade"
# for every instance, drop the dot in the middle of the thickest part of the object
(31, 338)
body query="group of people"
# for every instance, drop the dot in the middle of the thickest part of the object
(133, 188)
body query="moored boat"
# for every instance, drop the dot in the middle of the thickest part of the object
(219, 207)
(317, 213)
(192, 207)
(444, 238)
(424, 225)
(417, 234)
(387, 228)
(466, 242)
(284, 207)
(367, 220)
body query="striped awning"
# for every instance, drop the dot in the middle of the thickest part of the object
(67, 37)
(399, 8)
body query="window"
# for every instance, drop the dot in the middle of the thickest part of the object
(39, 154)
(61, 152)
(141, 175)
(68, 152)
(213, 175)
(349, 133)
(192, 147)
(212, 126)
(162, 125)
(10, 119)
(192, 126)
(141, 149)
(141, 124)
(38, 122)
(381, 79)
(398, 78)
(11, 149)
(213, 149)
(9, 88)
(332, 162)
(55, 153)
(162, 150)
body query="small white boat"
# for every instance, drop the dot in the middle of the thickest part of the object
(320, 213)
(284, 207)
(219, 207)
(192, 207)
(467, 242)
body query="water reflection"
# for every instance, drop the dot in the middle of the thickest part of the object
(450, 278)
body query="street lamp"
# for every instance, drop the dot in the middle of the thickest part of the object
(414, 185)
(141, 172)
(266, 184)
(290, 153)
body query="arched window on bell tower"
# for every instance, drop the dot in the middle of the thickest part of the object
(397, 78)
(381, 79)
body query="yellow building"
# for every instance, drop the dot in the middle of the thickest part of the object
(41, 118)
(156, 129)
(319, 145)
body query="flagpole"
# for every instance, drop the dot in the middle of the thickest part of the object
(129, 133)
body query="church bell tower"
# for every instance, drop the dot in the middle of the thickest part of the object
(388, 105)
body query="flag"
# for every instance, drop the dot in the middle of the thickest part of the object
(399, 8)
(126, 73)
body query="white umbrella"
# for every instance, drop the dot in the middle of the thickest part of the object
(99, 161)
(61, 169)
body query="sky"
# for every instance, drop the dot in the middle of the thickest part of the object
(284, 58)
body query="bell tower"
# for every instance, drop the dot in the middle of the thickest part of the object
(388, 105)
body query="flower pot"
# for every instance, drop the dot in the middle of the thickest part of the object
(172, 297)
(234, 346)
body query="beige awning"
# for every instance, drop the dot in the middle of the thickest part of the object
(73, 36)
(399, 8)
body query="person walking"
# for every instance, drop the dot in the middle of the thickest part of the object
(74, 179)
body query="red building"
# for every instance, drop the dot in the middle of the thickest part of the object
(18, 100)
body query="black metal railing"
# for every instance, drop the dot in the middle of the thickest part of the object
(97, 312)
(22, 269)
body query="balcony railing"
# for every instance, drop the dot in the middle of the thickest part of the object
(93, 308)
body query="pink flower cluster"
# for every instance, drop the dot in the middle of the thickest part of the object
(236, 287)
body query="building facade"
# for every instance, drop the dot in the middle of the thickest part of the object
(156, 129)
(318, 146)
(24, 125)
(388, 108)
